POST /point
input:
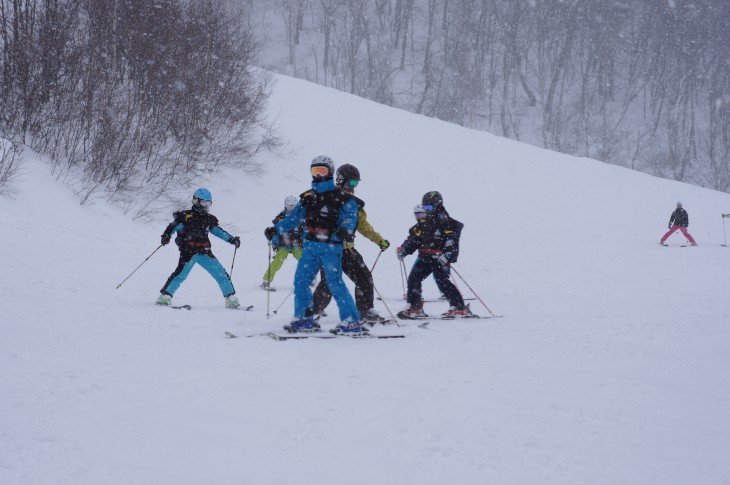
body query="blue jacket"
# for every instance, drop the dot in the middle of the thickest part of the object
(347, 217)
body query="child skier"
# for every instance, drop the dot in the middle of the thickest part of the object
(437, 242)
(678, 220)
(288, 243)
(420, 216)
(192, 228)
(330, 216)
(348, 177)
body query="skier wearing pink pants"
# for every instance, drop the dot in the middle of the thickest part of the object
(679, 220)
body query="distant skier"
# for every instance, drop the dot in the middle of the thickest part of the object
(284, 245)
(347, 178)
(437, 242)
(192, 228)
(330, 216)
(678, 220)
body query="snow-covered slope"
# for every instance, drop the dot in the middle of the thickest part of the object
(609, 366)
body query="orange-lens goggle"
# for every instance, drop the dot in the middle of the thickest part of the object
(320, 170)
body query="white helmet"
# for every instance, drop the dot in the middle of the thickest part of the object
(419, 212)
(290, 202)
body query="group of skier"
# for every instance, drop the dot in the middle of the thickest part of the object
(318, 228)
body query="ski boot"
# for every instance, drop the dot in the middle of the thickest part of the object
(303, 325)
(412, 313)
(371, 317)
(164, 299)
(350, 329)
(458, 313)
(232, 301)
(266, 285)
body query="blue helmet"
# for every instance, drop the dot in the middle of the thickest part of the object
(203, 194)
(202, 199)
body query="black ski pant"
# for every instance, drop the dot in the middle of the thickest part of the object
(441, 273)
(355, 269)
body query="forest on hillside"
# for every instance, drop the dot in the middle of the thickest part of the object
(644, 84)
(130, 98)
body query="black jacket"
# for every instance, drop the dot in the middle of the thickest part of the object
(192, 227)
(679, 218)
(435, 235)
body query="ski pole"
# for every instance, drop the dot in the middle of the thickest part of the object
(376, 261)
(724, 235)
(268, 278)
(282, 301)
(472, 290)
(386, 305)
(140, 265)
(230, 275)
(402, 278)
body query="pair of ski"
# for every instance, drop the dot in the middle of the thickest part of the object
(188, 307)
(318, 335)
(425, 300)
(404, 316)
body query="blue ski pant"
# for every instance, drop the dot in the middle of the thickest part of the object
(318, 255)
(208, 262)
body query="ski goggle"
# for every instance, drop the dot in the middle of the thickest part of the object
(428, 207)
(419, 215)
(352, 183)
(320, 170)
(289, 208)
(203, 203)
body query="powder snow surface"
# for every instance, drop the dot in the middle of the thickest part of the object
(610, 365)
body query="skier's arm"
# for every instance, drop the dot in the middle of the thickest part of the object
(347, 221)
(221, 233)
(672, 217)
(175, 226)
(412, 242)
(451, 245)
(293, 220)
(364, 228)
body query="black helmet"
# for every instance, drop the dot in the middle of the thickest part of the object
(432, 201)
(348, 176)
(322, 161)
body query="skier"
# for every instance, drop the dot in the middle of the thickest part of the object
(192, 228)
(347, 178)
(437, 242)
(288, 243)
(420, 216)
(330, 217)
(678, 220)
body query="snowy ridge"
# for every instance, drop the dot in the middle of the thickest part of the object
(610, 365)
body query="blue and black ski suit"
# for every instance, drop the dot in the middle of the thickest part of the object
(437, 236)
(329, 216)
(192, 228)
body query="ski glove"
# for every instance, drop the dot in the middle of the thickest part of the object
(669, 226)
(165, 239)
(399, 253)
(270, 232)
(384, 244)
(443, 259)
(236, 241)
